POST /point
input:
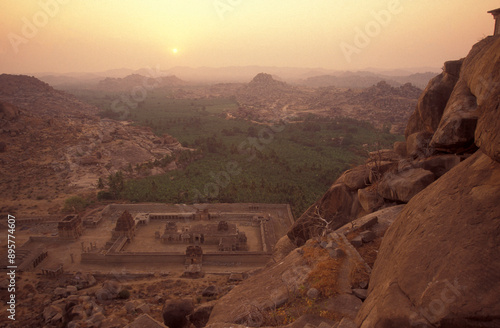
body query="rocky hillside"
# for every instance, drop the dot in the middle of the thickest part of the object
(411, 238)
(365, 80)
(267, 99)
(40, 98)
(52, 145)
(128, 83)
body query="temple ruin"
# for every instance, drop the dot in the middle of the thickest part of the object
(70, 227)
(225, 235)
(496, 16)
(191, 238)
(125, 226)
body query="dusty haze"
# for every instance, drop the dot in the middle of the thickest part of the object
(67, 36)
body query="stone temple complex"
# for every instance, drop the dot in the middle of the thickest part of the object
(187, 237)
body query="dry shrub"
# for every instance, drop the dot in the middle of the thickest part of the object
(313, 253)
(323, 276)
(324, 273)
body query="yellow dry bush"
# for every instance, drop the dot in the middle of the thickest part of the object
(323, 276)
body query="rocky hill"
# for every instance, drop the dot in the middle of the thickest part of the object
(266, 99)
(365, 80)
(53, 145)
(40, 98)
(410, 239)
(128, 83)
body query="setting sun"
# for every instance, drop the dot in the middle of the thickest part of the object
(175, 51)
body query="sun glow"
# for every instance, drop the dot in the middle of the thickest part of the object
(175, 51)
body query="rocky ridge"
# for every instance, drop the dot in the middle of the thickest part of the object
(267, 99)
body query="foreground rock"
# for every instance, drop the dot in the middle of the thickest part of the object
(438, 265)
(441, 254)
(175, 313)
(247, 301)
(404, 185)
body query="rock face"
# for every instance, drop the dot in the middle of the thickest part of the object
(404, 185)
(458, 123)
(246, 302)
(441, 253)
(417, 144)
(334, 208)
(438, 265)
(473, 95)
(433, 100)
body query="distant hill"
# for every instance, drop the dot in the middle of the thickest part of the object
(365, 79)
(36, 96)
(136, 80)
(241, 74)
(266, 99)
(54, 145)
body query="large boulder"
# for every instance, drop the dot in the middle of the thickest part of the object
(417, 145)
(475, 94)
(456, 129)
(175, 313)
(357, 177)
(439, 164)
(201, 314)
(9, 112)
(402, 186)
(334, 209)
(433, 100)
(369, 199)
(53, 315)
(282, 248)
(246, 303)
(439, 262)
(485, 84)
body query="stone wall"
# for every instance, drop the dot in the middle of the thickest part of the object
(222, 258)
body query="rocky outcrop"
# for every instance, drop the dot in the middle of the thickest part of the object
(402, 186)
(433, 100)
(8, 112)
(303, 274)
(267, 99)
(246, 303)
(438, 262)
(437, 266)
(458, 123)
(334, 210)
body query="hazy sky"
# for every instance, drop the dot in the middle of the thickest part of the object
(96, 35)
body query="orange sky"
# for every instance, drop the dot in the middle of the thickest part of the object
(96, 35)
